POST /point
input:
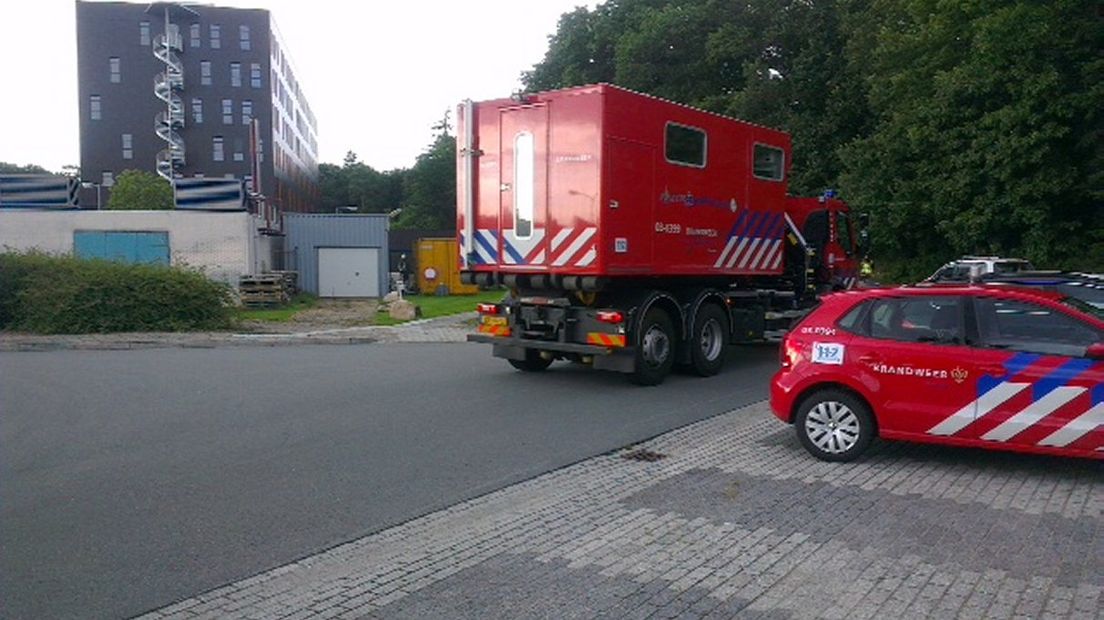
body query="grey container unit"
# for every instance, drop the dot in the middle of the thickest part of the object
(338, 255)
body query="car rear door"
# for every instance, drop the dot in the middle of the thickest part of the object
(913, 351)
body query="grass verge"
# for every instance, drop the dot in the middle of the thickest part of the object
(433, 306)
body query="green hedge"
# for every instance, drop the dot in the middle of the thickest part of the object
(64, 295)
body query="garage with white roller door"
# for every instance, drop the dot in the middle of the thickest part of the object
(338, 255)
(348, 272)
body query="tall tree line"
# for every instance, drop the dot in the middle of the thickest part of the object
(423, 196)
(962, 127)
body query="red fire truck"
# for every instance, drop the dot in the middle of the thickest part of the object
(636, 234)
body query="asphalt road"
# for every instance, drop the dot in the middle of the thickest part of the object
(131, 479)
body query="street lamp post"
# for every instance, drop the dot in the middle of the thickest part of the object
(89, 185)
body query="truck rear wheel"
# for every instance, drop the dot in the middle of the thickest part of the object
(655, 348)
(533, 362)
(708, 340)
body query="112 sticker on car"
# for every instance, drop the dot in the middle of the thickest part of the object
(827, 353)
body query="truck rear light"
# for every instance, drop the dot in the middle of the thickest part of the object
(612, 317)
(487, 308)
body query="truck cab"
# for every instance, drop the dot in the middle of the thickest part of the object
(829, 238)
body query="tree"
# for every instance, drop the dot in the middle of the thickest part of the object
(429, 188)
(988, 132)
(137, 190)
(7, 168)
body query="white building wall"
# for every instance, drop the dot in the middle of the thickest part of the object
(222, 245)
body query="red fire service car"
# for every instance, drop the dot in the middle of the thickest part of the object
(984, 366)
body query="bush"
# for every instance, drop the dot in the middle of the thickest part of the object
(64, 295)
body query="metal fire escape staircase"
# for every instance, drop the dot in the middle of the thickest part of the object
(166, 87)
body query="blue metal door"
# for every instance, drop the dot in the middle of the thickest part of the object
(122, 246)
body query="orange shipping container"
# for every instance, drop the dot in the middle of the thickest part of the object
(438, 264)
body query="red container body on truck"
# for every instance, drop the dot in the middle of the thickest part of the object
(635, 233)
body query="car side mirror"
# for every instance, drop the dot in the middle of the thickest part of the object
(1095, 351)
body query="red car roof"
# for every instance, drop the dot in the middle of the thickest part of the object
(1009, 291)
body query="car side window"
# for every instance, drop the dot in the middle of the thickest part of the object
(1031, 328)
(918, 319)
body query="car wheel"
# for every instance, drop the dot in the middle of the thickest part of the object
(533, 362)
(655, 349)
(708, 340)
(834, 425)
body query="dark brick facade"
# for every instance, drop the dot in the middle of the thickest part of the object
(116, 64)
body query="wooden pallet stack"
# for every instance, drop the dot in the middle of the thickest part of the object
(264, 290)
(291, 280)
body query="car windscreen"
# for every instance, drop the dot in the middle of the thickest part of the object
(1011, 266)
(1087, 308)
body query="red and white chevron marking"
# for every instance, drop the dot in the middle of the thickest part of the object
(748, 253)
(574, 246)
(1012, 421)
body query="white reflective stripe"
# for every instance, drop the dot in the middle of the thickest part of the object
(561, 237)
(978, 408)
(758, 257)
(1076, 428)
(1033, 413)
(574, 248)
(539, 258)
(724, 253)
(587, 258)
(750, 251)
(777, 260)
(736, 255)
(764, 252)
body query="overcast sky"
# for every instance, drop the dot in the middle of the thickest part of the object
(377, 74)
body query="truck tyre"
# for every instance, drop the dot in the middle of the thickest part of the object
(708, 340)
(834, 425)
(655, 348)
(533, 362)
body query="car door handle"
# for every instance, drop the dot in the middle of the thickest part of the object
(870, 358)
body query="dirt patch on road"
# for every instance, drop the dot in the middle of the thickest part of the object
(326, 314)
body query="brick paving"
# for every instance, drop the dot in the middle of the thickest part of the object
(735, 520)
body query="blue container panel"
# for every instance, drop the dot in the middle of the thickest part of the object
(123, 246)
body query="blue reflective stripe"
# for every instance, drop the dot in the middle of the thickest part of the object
(1014, 366)
(518, 258)
(736, 225)
(1060, 376)
(487, 245)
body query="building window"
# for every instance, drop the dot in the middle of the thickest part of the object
(114, 67)
(197, 110)
(247, 112)
(255, 75)
(217, 153)
(227, 112)
(216, 37)
(205, 72)
(235, 74)
(239, 154)
(95, 111)
(144, 33)
(243, 37)
(128, 146)
(108, 178)
(193, 31)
